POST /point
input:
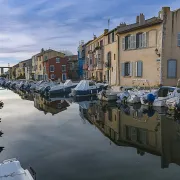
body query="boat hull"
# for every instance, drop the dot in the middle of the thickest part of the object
(89, 92)
(62, 91)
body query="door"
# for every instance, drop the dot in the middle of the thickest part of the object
(63, 77)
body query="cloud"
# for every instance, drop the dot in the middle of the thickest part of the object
(27, 26)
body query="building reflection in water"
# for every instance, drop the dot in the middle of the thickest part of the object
(147, 130)
(1, 133)
(53, 106)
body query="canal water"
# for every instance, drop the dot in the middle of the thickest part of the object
(66, 140)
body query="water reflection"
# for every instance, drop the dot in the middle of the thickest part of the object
(1, 132)
(147, 130)
(53, 106)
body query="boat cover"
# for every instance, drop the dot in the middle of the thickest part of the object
(83, 85)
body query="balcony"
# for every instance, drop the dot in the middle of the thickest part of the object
(85, 67)
(99, 66)
(90, 68)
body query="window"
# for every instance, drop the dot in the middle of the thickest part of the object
(172, 68)
(114, 56)
(179, 39)
(91, 84)
(101, 43)
(109, 59)
(126, 69)
(127, 42)
(139, 40)
(113, 36)
(52, 76)
(133, 42)
(63, 76)
(57, 60)
(63, 68)
(45, 58)
(109, 36)
(51, 68)
(139, 68)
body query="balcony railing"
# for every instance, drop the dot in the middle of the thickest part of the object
(85, 66)
(90, 68)
(99, 66)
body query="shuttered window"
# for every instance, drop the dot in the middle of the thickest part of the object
(172, 68)
(179, 39)
(126, 69)
(139, 68)
(132, 41)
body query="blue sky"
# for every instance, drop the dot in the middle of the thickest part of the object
(26, 26)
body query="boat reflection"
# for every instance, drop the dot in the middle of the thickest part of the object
(52, 106)
(147, 130)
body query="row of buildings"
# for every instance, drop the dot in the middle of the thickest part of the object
(48, 64)
(147, 49)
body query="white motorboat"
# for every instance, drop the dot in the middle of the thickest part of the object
(107, 94)
(159, 97)
(173, 102)
(62, 89)
(11, 170)
(87, 88)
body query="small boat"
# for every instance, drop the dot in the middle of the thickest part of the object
(87, 88)
(62, 89)
(174, 102)
(11, 170)
(159, 97)
(107, 94)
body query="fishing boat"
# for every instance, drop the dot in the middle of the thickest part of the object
(62, 89)
(107, 94)
(11, 170)
(87, 88)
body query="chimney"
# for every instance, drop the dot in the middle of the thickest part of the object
(122, 24)
(166, 9)
(106, 31)
(95, 37)
(141, 19)
(137, 19)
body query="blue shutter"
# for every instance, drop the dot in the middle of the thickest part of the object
(131, 69)
(178, 39)
(172, 68)
(139, 68)
(122, 69)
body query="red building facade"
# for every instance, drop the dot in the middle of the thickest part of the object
(56, 68)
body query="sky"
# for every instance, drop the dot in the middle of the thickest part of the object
(26, 26)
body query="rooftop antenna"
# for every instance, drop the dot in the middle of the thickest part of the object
(108, 23)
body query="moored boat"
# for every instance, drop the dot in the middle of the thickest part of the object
(87, 88)
(62, 89)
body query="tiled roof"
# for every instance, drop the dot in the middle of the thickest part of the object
(135, 26)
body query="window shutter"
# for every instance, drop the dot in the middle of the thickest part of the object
(122, 69)
(134, 41)
(135, 69)
(131, 69)
(131, 42)
(172, 68)
(139, 68)
(144, 41)
(123, 43)
(179, 39)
